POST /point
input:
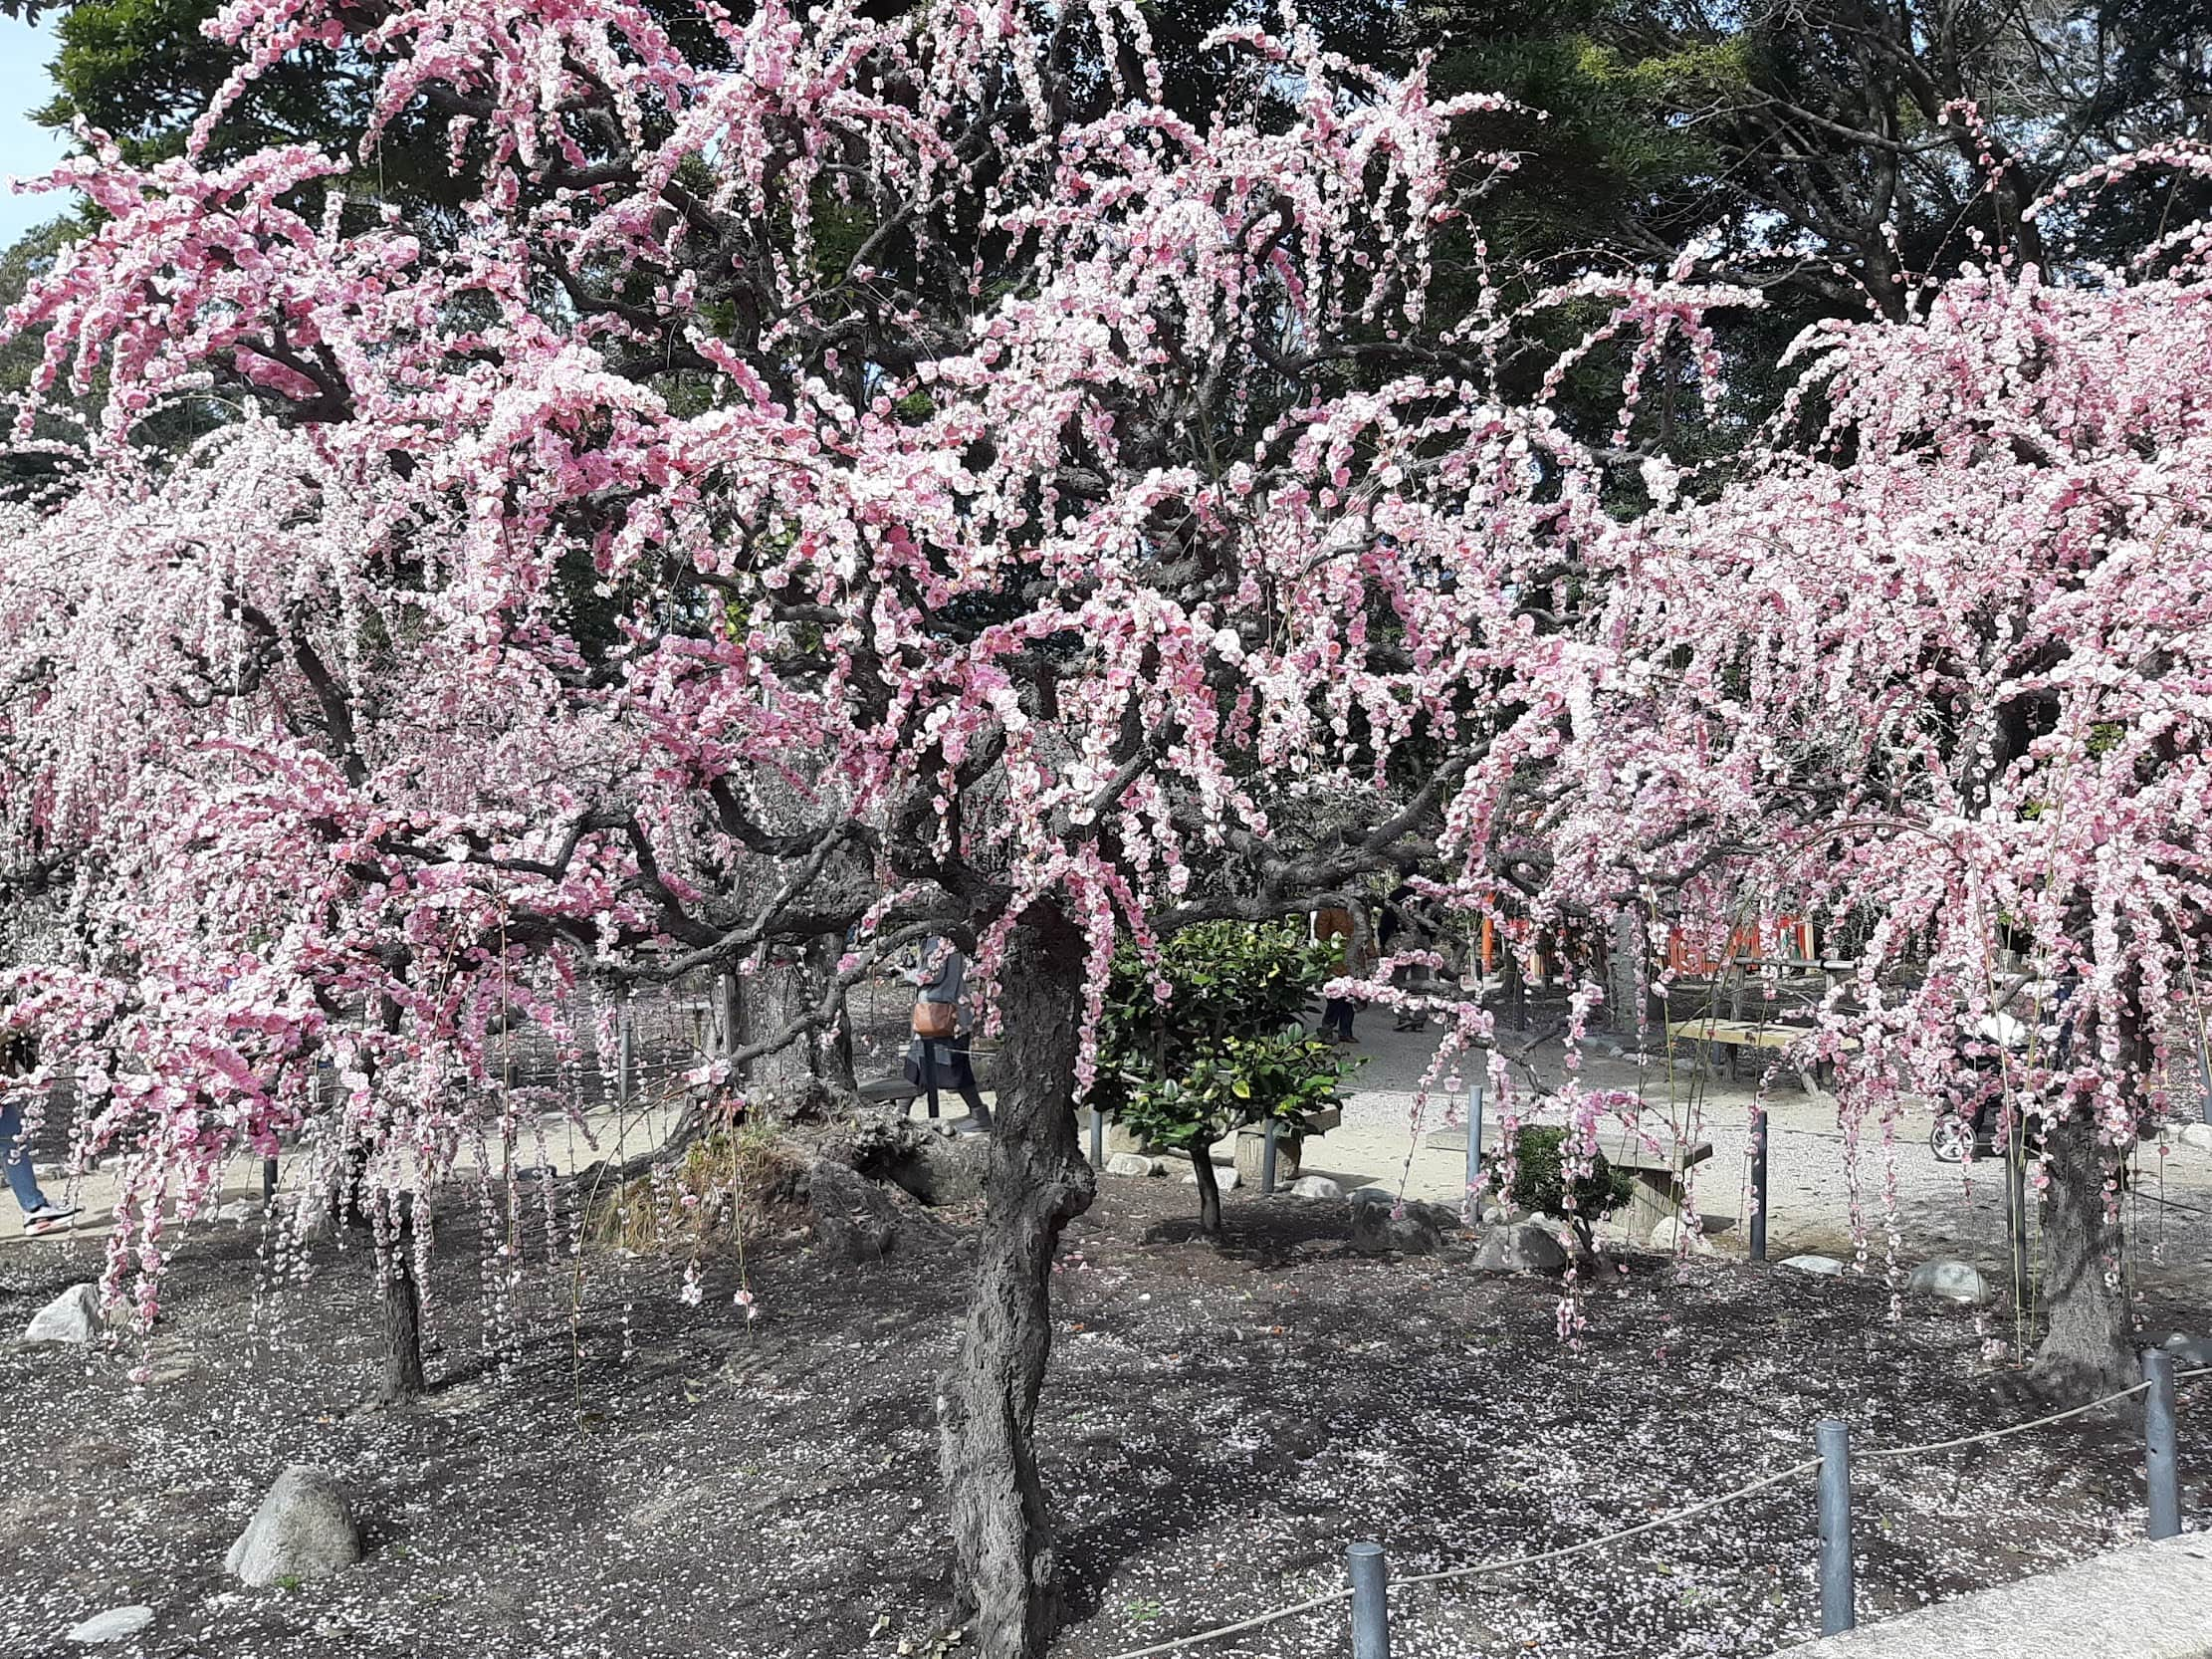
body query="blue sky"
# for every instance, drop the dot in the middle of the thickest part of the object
(25, 150)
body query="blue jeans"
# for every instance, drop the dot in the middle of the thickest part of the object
(17, 1161)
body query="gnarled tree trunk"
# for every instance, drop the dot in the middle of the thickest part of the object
(403, 1374)
(2085, 1351)
(771, 997)
(1007, 1569)
(1625, 977)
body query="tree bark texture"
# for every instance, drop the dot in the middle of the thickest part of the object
(833, 1048)
(1625, 977)
(1007, 1567)
(404, 1378)
(772, 997)
(1209, 1190)
(2085, 1350)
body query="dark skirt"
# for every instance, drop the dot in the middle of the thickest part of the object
(948, 1060)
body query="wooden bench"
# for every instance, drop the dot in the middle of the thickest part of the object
(890, 1091)
(1661, 1174)
(1735, 1036)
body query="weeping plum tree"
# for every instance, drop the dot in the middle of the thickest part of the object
(1935, 669)
(843, 473)
(896, 473)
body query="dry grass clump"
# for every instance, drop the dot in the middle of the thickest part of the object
(732, 1187)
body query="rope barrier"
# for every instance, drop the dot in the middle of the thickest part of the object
(1675, 1517)
(1673, 1520)
(1275, 1617)
(1884, 1453)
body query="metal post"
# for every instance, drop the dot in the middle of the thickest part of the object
(2016, 1207)
(930, 1074)
(622, 1059)
(2165, 1491)
(1098, 1138)
(1474, 1153)
(1833, 1441)
(268, 1179)
(1370, 1600)
(1759, 1124)
(1267, 1160)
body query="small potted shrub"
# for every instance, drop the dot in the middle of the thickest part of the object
(1227, 1047)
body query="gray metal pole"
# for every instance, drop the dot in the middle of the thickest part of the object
(2016, 1207)
(2165, 1489)
(1268, 1161)
(1098, 1138)
(1370, 1600)
(622, 1058)
(1833, 1441)
(1474, 1153)
(1759, 1131)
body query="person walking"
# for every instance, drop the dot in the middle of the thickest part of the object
(938, 1055)
(40, 1214)
(1405, 927)
(1334, 925)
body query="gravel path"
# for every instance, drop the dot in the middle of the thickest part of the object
(1907, 1205)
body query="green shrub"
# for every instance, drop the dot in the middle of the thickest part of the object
(1540, 1184)
(1243, 1080)
(1227, 1048)
(1225, 979)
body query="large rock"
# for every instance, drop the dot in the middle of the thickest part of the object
(943, 1169)
(303, 1530)
(1119, 1139)
(1224, 1178)
(1417, 1230)
(1129, 1163)
(1315, 1186)
(1676, 1234)
(1362, 1197)
(2189, 1351)
(2198, 1135)
(72, 1316)
(309, 1215)
(854, 1219)
(117, 1624)
(1522, 1247)
(1821, 1267)
(1959, 1282)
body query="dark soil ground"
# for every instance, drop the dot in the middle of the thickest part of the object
(601, 1469)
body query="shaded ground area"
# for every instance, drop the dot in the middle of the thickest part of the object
(603, 1470)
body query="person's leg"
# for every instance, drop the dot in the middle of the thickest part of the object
(16, 1159)
(964, 1080)
(1414, 981)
